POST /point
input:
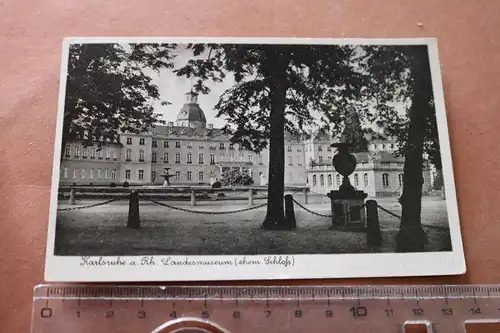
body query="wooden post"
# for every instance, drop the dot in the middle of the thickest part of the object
(133, 211)
(373, 236)
(305, 196)
(290, 221)
(193, 198)
(250, 197)
(72, 196)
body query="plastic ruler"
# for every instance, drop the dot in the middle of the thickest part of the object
(378, 309)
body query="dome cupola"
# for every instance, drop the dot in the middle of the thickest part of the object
(191, 115)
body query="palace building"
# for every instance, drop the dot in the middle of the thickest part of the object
(198, 153)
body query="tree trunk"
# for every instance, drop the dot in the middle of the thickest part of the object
(411, 237)
(276, 72)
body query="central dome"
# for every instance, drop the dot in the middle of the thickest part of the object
(191, 115)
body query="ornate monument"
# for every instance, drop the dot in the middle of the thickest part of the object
(346, 202)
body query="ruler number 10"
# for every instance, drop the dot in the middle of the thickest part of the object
(359, 311)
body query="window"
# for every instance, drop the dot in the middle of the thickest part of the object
(99, 153)
(290, 177)
(127, 174)
(329, 159)
(299, 149)
(108, 153)
(165, 144)
(392, 145)
(177, 158)
(141, 141)
(400, 178)
(328, 148)
(67, 151)
(200, 175)
(222, 156)
(329, 180)
(141, 155)
(221, 145)
(189, 158)
(231, 157)
(129, 141)
(140, 174)
(98, 173)
(154, 143)
(231, 146)
(299, 161)
(114, 155)
(82, 174)
(106, 173)
(66, 173)
(190, 144)
(383, 146)
(200, 145)
(77, 151)
(289, 160)
(113, 174)
(385, 179)
(289, 148)
(84, 153)
(241, 157)
(314, 180)
(260, 159)
(92, 153)
(356, 180)
(365, 178)
(75, 172)
(177, 144)
(322, 180)
(320, 158)
(189, 173)
(91, 174)
(320, 148)
(200, 159)
(153, 157)
(177, 175)
(128, 155)
(153, 175)
(337, 180)
(250, 158)
(212, 158)
(165, 157)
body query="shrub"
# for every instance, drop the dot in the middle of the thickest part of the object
(236, 177)
(217, 184)
(126, 184)
(221, 195)
(112, 185)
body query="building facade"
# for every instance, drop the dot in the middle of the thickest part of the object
(196, 153)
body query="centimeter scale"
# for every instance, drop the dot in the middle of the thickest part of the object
(377, 309)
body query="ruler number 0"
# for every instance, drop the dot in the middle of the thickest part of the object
(359, 311)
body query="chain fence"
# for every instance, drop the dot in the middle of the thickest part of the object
(206, 212)
(310, 211)
(424, 225)
(91, 205)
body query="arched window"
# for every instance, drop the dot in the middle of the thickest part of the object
(400, 178)
(165, 157)
(337, 180)
(329, 180)
(356, 180)
(365, 178)
(314, 180)
(322, 180)
(128, 155)
(177, 158)
(189, 158)
(141, 155)
(385, 179)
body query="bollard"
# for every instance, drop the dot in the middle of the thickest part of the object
(133, 211)
(305, 196)
(290, 221)
(193, 198)
(373, 236)
(250, 197)
(72, 196)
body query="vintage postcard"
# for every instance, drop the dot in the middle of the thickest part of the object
(243, 159)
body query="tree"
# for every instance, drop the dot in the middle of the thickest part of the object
(276, 87)
(108, 91)
(236, 177)
(354, 133)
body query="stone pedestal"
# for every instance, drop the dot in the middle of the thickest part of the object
(346, 209)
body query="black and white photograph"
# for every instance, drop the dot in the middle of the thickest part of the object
(251, 158)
